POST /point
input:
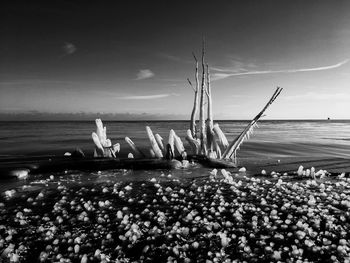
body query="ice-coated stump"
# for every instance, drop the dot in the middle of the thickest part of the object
(103, 146)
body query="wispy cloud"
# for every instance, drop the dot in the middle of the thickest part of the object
(237, 66)
(222, 73)
(148, 97)
(69, 48)
(319, 96)
(144, 74)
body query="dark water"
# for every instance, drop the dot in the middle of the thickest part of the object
(272, 139)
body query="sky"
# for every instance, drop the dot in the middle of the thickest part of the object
(134, 57)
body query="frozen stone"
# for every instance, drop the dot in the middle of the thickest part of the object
(242, 170)
(76, 249)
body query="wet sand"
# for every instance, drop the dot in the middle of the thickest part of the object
(216, 216)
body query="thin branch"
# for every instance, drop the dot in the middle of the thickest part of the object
(193, 127)
(194, 56)
(210, 134)
(235, 144)
(191, 84)
(210, 102)
(203, 136)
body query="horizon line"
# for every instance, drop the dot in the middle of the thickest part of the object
(176, 120)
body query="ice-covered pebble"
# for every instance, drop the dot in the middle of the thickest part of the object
(10, 193)
(213, 172)
(76, 249)
(128, 188)
(242, 170)
(21, 173)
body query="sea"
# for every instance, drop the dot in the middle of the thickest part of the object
(271, 140)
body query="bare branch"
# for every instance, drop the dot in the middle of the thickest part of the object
(210, 133)
(195, 103)
(194, 56)
(202, 136)
(191, 84)
(236, 143)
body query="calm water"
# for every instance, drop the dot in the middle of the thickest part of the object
(271, 139)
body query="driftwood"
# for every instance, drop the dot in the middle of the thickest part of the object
(215, 150)
(236, 143)
(207, 146)
(49, 164)
(208, 141)
(195, 144)
(210, 134)
(193, 126)
(202, 135)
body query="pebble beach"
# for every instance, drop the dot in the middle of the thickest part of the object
(221, 216)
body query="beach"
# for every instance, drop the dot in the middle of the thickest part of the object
(218, 216)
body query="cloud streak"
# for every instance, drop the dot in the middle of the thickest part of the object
(319, 96)
(144, 74)
(222, 74)
(148, 97)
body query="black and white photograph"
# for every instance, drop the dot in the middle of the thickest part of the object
(175, 131)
